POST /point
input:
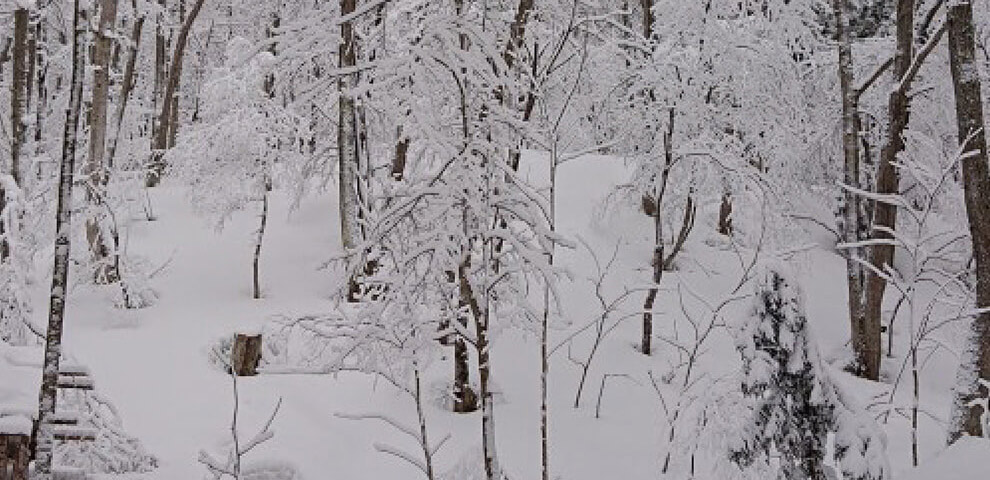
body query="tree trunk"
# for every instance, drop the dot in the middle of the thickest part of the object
(60, 273)
(517, 32)
(170, 98)
(18, 113)
(347, 142)
(975, 359)
(127, 85)
(725, 215)
(399, 160)
(657, 262)
(95, 172)
(648, 19)
(42, 90)
(19, 92)
(465, 399)
(256, 267)
(852, 220)
(888, 183)
(155, 169)
(493, 471)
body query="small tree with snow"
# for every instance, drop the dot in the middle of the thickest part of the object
(793, 405)
(246, 143)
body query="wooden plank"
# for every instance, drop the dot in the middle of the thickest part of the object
(73, 433)
(77, 382)
(73, 370)
(64, 418)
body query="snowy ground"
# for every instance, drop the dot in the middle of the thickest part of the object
(154, 365)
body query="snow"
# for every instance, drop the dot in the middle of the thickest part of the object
(154, 363)
(967, 459)
(15, 425)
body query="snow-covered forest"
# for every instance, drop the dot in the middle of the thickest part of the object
(494, 239)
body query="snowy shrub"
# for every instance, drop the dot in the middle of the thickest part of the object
(233, 156)
(791, 404)
(15, 305)
(113, 451)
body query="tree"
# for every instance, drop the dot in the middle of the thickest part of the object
(166, 118)
(96, 173)
(348, 157)
(853, 222)
(60, 274)
(793, 404)
(244, 145)
(15, 308)
(974, 369)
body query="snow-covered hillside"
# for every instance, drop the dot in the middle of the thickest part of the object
(155, 365)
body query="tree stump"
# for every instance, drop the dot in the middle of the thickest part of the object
(245, 354)
(15, 452)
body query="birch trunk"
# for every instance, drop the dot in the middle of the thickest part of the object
(347, 141)
(975, 358)
(493, 471)
(53, 339)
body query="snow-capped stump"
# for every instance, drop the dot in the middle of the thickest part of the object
(245, 354)
(15, 452)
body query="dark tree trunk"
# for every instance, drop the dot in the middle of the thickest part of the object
(42, 90)
(19, 91)
(648, 19)
(888, 183)
(976, 180)
(166, 129)
(259, 239)
(96, 172)
(725, 215)
(127, 85)
(852, 213)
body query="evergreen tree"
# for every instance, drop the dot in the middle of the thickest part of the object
(794, 403)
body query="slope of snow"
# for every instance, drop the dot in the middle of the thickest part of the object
(154, 363)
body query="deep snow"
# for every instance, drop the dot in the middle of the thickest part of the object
(154, 363)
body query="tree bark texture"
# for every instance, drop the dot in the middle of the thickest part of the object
(888, 182)
(853, 222)
(60, 273)
(127, 85)
(975, 358)
(245, 354)
(95, 172)
(19, 92)
(347, 141)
